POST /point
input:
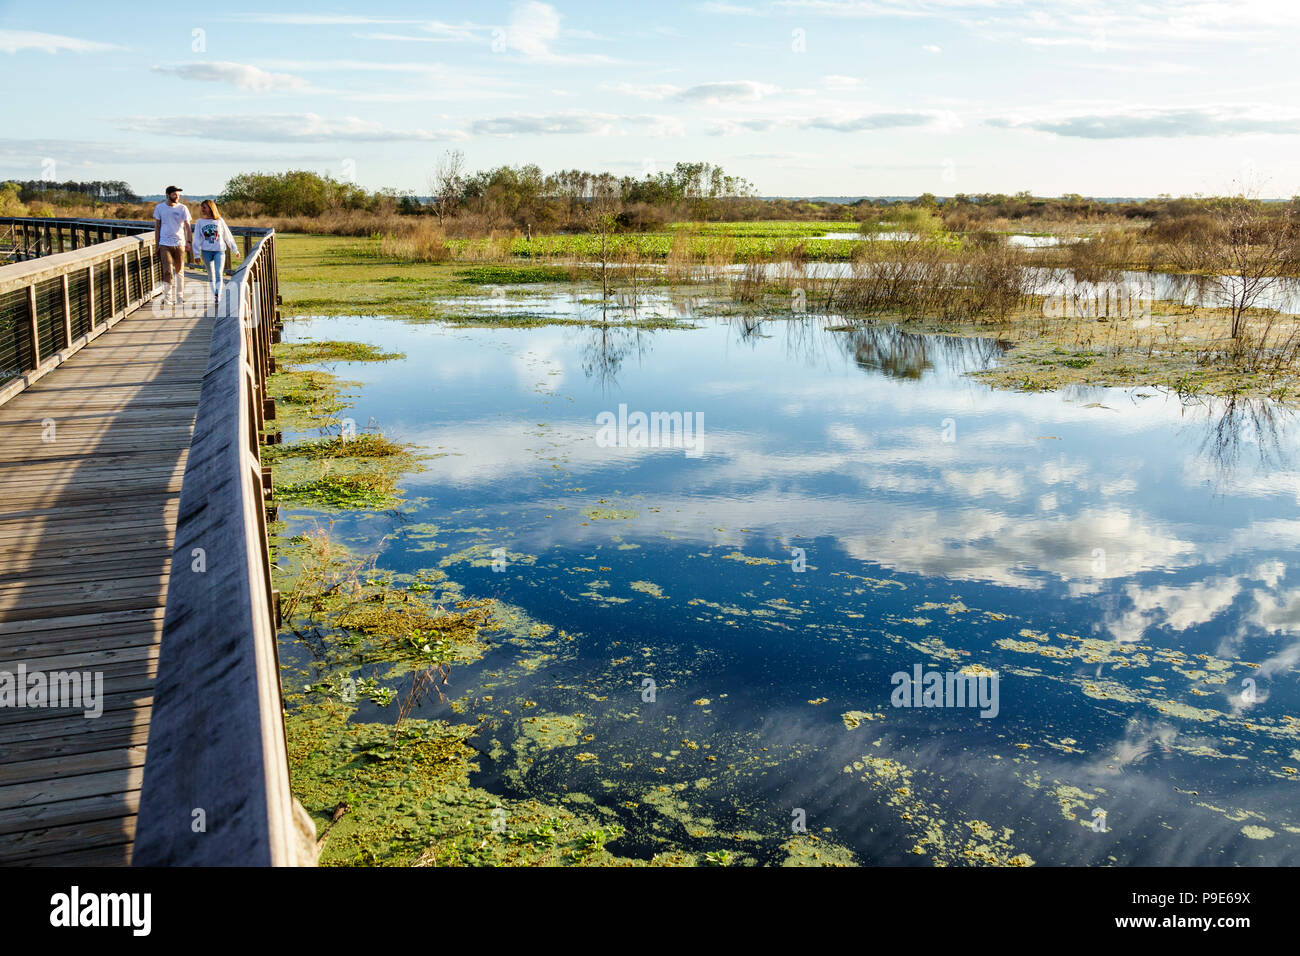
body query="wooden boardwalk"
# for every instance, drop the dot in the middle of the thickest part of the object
(87, 522)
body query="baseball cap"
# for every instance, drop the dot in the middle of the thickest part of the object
(173, 189)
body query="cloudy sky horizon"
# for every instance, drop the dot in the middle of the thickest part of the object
(801, 97)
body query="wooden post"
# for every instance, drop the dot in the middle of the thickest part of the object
(59, 231)
(90, 296)
(67, 313)
(34, 328)
(112, 292)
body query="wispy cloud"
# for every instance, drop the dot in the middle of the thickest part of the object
(579, 122)
(84, 154)
(317, 19)
(1104, 24)
(15, 41)
(239, 75)
(727, 91)
(363, 66)
(1209, 121)
(532, 31)
(435, 31)
(283, 128)
(720, 92)
(849, 123)
(731, 9)
(870, 121)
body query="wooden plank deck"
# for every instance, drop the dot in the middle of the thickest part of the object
(86, 529)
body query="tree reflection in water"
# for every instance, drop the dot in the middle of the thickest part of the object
(1235, 423)
(909, 355)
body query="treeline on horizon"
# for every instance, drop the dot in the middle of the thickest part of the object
(524, 198)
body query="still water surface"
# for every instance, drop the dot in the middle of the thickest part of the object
(860, 507)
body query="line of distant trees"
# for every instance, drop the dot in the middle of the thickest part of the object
(48, 190)
(523, 198)
(509, 196)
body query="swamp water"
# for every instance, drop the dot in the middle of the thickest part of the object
(858, 508)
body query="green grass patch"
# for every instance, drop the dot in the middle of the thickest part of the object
(511, 275)
(777, 228)
(330, 350)
(364, 445)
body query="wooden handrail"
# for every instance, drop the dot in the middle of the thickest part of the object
(142, 225)
(52, 306)
(216, 782)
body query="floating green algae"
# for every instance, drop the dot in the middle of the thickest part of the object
(938, 833)
(853, 719)
(402, 798)
(609, 514)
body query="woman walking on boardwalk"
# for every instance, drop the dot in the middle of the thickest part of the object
(211, 240)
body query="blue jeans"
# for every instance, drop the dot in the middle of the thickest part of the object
(215, 264)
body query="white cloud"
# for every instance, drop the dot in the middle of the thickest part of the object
(283, 127)
(239, 75)
(727, 91)
(532, 31)
(730, 9)
(578, 122)
(15, 41)
(316, 19)
(837, 123)
(1146, 123)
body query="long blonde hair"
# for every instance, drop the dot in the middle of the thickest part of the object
(212, 208)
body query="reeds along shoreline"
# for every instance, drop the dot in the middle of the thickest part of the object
(914, 278)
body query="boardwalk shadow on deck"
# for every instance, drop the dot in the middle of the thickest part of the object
(86, 528)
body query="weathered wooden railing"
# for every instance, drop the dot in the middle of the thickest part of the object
(51, 306)
(216, 781)
(34, 237)
(30, 237)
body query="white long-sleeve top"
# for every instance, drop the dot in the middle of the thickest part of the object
(210, 235)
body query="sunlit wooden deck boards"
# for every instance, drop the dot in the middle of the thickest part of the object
(86, 528)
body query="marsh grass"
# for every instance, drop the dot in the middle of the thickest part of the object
(334, 588)
(920, 278)
(304, 398)
(330, 350)
(361, 445)
(423, 240)
(357, 490)
(513, 274)
(972, 287)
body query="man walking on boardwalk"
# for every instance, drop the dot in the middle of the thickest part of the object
(173, 234)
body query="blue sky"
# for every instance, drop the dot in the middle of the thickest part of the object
(802, 97)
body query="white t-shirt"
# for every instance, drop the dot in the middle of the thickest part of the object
(173, 219)
(211, 235)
